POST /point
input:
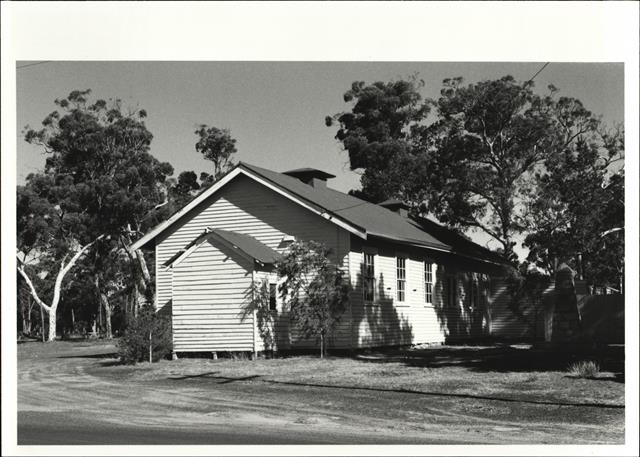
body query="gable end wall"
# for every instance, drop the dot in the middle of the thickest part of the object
(245, 206)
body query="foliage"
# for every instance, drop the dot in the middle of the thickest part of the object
(474, 165)
(218, 146)
(584, 369)
(376, 132)
(100, 184)
(480, 153)
(579, 208)
(99, 153)
(525, 286)
(313, 288)
(134, 345)
(257, 301)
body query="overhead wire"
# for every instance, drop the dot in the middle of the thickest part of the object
(33, 64)
(538, 72)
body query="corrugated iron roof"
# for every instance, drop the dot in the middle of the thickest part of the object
(247, 244)
(371, 219)
(376, 220)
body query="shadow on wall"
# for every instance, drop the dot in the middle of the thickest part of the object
(603, 318)
(272, 326)
(165, 309)
(460, 302)
(378, 323)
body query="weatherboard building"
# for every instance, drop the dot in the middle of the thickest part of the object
(412, 280)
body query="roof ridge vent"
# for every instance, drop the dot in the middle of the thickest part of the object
(397, 206)
(311, 176)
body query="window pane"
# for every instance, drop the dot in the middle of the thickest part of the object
(401, 275)
(428, 282)
(369, 277)
(272, 296)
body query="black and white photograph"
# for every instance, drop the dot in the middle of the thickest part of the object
(232, 255)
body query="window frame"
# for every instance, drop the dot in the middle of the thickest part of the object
(368, 254)
(428, 282)
(475, 294)
(452, 298)
(401, 280)
(273, 296)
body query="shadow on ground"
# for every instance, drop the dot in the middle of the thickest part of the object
(102, 355)
(503, 358)
(211, 376)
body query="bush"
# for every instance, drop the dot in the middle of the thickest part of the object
(584, 369)
(133, 347)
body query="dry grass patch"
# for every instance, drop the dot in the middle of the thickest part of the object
(584, 369)
(546, 386)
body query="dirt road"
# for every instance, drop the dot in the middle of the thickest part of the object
(67, 397)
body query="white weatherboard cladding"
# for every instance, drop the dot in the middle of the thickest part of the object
(523, 321)
(208, 312)
(387, 321)
(242, 206)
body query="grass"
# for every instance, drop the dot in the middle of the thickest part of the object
(585, 369)
(445, 390)
(438, 370)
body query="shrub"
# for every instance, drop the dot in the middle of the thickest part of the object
(584, 369)
(134, 346)
(314, 289)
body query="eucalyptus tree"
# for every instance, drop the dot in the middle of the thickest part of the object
(218, 146)
(100, 185)
(472, 157)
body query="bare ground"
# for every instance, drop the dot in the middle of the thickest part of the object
(431, 396)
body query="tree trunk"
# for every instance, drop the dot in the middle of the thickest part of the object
(140, 271)
(57, 288)
(94, 330)
(150, 348)
(99, 315)
(52, 327)
(321, 345)
(26, 318)
(42, 323)
(107, 316)
(135, 303)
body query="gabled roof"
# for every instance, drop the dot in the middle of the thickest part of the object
(374, 219)
(246, 245)
(360, 217)
(459, 244)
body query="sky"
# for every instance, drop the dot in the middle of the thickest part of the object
(275, 110)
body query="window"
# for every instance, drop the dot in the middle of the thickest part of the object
(451, 291)
(401, 274)
(475, 295)
(369, 277)
(272, 296)
(428, 282)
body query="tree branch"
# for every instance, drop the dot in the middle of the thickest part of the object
(34, 294)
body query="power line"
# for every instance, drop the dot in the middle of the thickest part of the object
(33, 64)
(538, 72)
